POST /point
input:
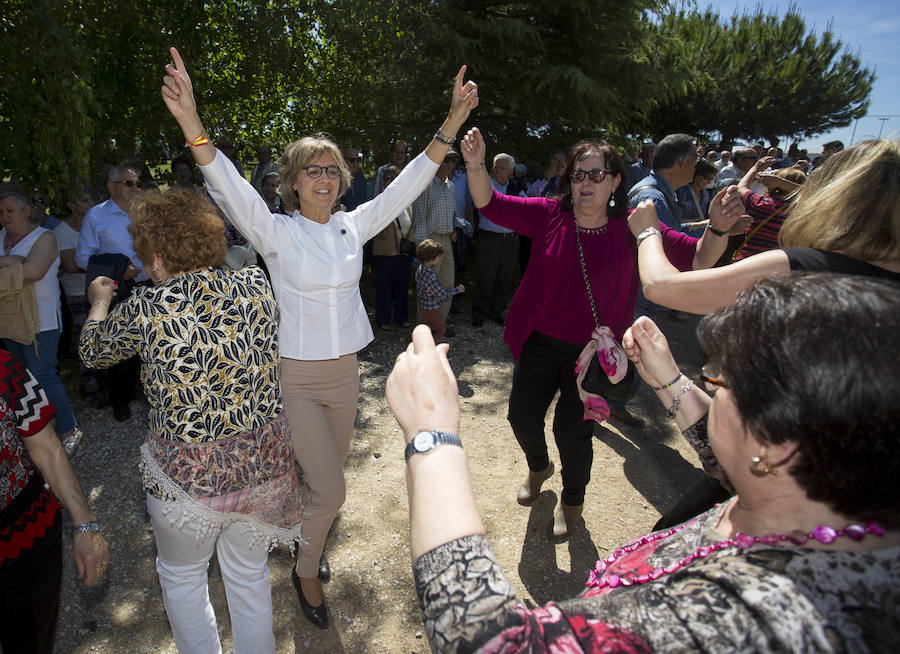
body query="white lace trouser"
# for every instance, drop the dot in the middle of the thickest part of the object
(182, 561)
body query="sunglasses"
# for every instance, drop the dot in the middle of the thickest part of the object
(596, 175)
(130, 183)
(711, 376)
(315, 172)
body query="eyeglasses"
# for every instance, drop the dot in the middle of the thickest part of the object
(596, 175)
(130, 182)
(315, 172)
(710, 375)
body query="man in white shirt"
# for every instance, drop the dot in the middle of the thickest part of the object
(104, 230)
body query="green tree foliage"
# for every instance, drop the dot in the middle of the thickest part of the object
(81, 81)
(755, 75)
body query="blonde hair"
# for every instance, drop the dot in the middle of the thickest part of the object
(851, 204)
(300, 154)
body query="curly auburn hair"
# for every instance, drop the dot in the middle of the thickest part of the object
(182, 226)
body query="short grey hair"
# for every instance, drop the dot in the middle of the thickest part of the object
(17, 193)
(505, 157)
(114, 173)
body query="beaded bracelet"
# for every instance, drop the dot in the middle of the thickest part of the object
(440, 137)
(671, 383)
(676, 401)
(474, 164)
(202, 139)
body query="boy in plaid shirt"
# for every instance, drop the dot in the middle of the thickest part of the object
(428, 288)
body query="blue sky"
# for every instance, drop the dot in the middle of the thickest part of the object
(869, 29)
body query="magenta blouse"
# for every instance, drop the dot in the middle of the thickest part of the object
(552, 298)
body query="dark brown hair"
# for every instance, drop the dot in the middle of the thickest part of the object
(612, 161)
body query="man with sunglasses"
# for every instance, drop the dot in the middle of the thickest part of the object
(104, 231)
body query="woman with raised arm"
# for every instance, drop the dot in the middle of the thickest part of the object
(804, 558)
(315, 260)
(845, 218)
(581, 276)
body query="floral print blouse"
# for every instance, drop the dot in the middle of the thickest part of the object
(209, 352)
(762, 599)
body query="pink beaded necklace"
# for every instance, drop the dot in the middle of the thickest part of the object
(823, 533)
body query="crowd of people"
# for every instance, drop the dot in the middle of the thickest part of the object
(251, 369)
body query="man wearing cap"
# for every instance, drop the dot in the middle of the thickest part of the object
(432, 217)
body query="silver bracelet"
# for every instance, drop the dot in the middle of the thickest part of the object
(440, 137)
(87, 526)
(676, 401)
(647, 233)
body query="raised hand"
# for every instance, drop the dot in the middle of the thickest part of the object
(177, 90)
(421, 389)
(465, 98)
(643, 217)
(726, 208)
(648, 348)
(473, 146)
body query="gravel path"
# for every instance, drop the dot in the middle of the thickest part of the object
(637, 473)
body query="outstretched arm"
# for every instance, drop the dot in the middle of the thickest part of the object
(422, 393)
(178, 94)
(463, 101)
(697, 291)
(474, 151)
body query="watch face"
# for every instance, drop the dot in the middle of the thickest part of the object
(424, 441)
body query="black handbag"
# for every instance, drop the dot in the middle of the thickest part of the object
(595, 379)
(405, 246)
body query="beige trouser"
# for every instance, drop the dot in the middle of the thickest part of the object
(320, 399)
(445, 272)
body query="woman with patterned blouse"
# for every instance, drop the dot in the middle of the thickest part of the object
(804, 424)
(217, 464)
(315, 259)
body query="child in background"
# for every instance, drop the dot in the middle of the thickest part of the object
(428, 288)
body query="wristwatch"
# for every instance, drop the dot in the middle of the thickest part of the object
(87, 526)
(426, 441)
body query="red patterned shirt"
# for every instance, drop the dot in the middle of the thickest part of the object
(27, 509)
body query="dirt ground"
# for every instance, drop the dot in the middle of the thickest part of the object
(637, 474)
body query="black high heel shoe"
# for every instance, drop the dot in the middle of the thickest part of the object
(318, 615)
(324, 573)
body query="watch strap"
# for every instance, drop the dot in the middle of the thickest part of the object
(440, 438)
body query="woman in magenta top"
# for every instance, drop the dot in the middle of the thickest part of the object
(550, 318)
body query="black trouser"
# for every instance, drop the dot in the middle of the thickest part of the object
(29, 596)
(548, 365)
(121, 378)
(700, 496)
(494, 273)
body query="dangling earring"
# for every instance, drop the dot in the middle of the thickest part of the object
(760, 466)
(612, 201)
